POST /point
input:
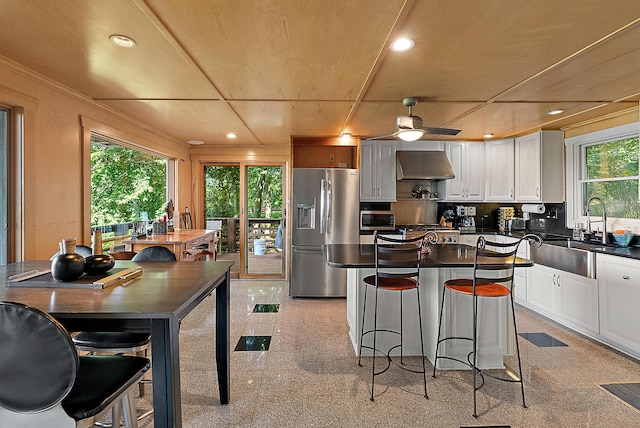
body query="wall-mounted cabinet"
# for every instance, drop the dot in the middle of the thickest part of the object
(327, 152)
(499, 170)
(467, 160)
(378, 171)
(539, 167)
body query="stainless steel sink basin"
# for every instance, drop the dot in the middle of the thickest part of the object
(569, 256)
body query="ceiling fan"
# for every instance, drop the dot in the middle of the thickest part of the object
(409, 128)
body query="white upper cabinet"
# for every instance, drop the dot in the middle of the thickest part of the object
(378, 171)
(539, 167)
(499, 170)
(467, 161)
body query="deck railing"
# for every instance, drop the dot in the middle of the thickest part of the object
(113, 235)
(259, 228)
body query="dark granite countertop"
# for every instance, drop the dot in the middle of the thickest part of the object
(362, 256)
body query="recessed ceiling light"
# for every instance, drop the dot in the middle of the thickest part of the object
(231, 135)
(401, 45)
(488, 135)
(556, 111)
(346, 136)
(122, 40)
(195, 142)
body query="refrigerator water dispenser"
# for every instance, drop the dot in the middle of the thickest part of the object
(306, 218)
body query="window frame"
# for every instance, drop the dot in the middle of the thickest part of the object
(575, 156)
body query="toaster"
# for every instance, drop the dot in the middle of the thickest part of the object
(518, 223)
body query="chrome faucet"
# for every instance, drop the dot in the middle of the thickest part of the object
(603, 220)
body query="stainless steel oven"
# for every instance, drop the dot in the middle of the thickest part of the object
(377, 220)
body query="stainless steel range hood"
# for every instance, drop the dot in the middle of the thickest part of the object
(423, 165)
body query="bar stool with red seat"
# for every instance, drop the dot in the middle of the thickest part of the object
(494, 264)
(397, 264)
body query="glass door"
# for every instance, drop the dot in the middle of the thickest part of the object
(245, 201)
(222, 209)
(264, 224)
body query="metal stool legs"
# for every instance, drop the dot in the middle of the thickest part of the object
(473, 355)
(401, 345)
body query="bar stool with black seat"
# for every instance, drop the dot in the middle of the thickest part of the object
(494, 264)
(397, 264)
(44, 382)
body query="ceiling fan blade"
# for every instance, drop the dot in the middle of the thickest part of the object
(382, 137)
(441, 131)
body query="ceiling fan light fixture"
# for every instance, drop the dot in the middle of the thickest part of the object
(410, 134)
(345, 136)
(402, 45)
(122, 40)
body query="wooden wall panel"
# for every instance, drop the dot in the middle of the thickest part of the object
(603, 123)
(53, 179)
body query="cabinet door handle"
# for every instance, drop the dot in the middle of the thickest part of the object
(554, 279)
(625, 276)
(538, 192)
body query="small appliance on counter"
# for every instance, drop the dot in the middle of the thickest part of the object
(465, 219)
(515, 223)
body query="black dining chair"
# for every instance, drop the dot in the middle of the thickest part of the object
(44, 382)
(155, 253)
(99, 342)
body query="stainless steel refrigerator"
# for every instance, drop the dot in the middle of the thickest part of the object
(325, 205)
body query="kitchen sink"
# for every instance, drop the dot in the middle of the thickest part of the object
(566, 255)
(579, 245)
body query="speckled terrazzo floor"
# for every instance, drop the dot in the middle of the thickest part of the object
(309, 376)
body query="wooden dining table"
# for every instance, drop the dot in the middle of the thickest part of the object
(154, 302)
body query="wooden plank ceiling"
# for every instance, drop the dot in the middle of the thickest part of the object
(270, 69)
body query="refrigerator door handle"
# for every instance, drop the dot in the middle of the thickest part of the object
(329, 197)
(308, 250)
(322, 204)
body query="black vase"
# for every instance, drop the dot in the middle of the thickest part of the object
(98, 264)
(67, 267)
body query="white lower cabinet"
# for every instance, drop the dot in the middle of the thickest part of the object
(619, 298)
(565, 297)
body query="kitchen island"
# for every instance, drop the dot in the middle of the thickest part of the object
(444, 262)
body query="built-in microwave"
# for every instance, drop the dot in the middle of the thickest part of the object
(377, 220)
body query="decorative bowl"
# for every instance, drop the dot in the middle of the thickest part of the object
(623, 239)
(98, 264)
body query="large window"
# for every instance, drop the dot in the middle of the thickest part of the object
(605, 164)
(127, 185)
